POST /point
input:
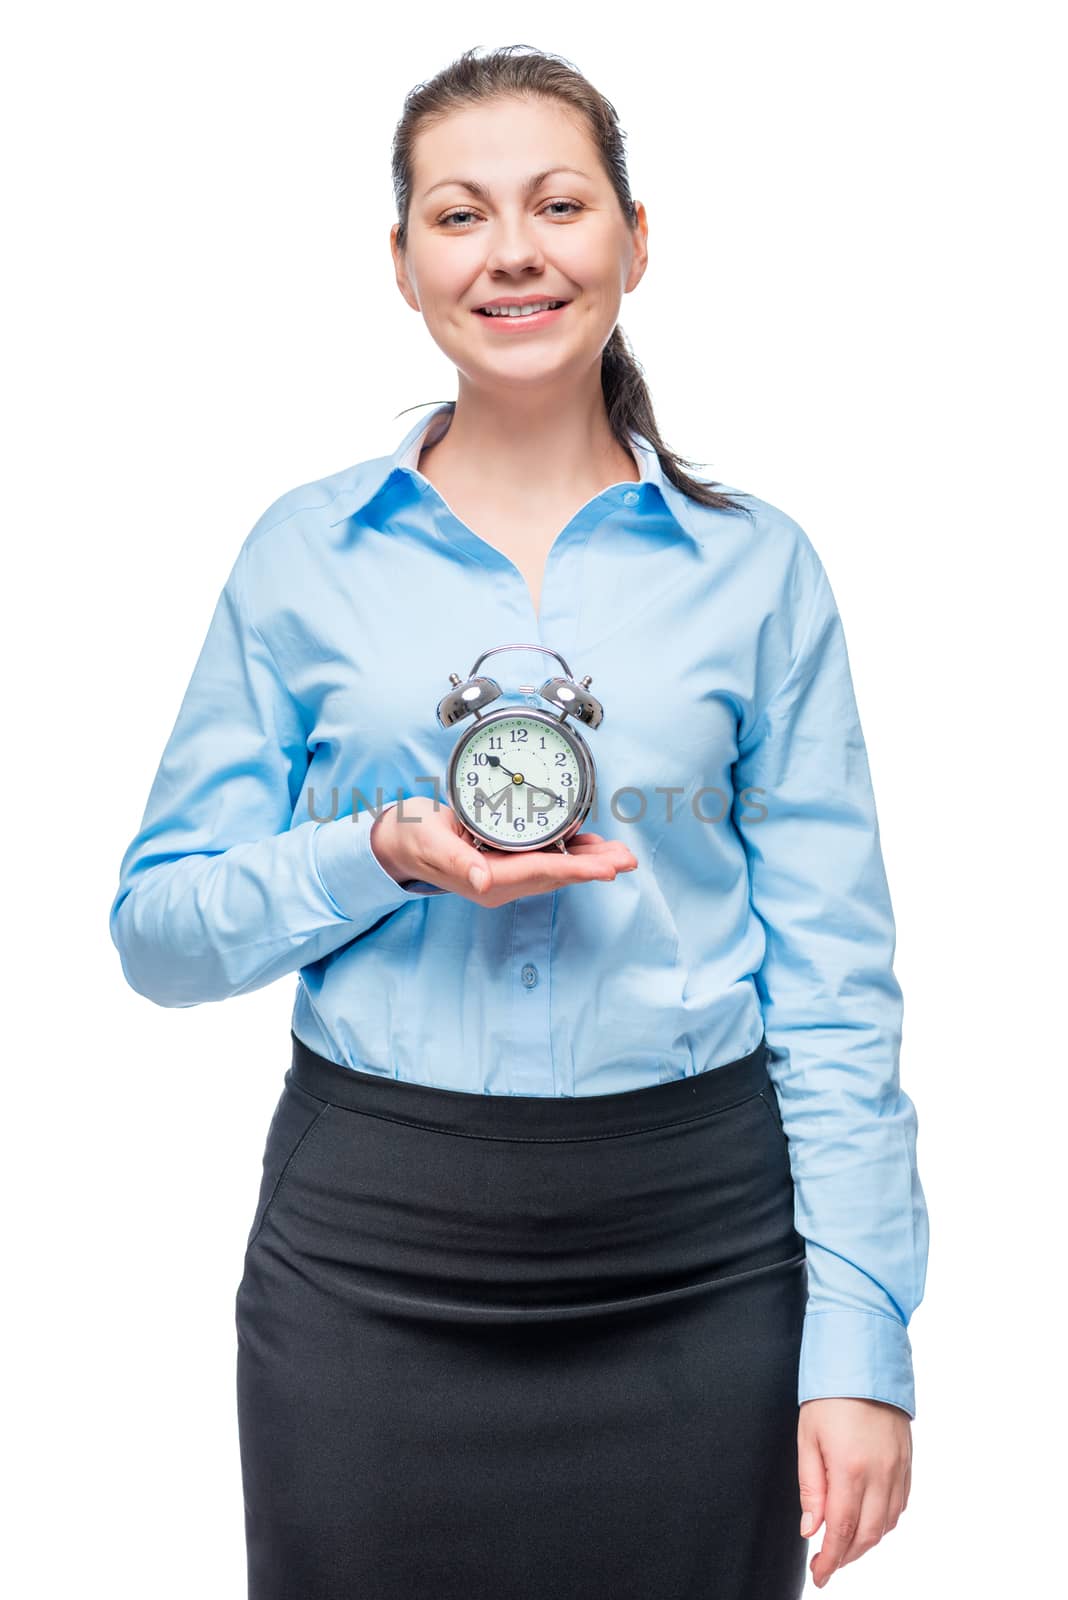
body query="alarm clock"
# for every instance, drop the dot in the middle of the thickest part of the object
(521, 778)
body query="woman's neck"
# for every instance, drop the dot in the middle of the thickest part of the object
(561, 456)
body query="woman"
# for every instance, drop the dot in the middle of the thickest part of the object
(589, 1227)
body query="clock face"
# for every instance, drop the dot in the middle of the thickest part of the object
(518, 781)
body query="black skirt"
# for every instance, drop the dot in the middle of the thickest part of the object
(521, 1347)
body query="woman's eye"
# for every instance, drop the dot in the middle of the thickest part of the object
(450, 216)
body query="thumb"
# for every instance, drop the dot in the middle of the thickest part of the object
(474, 864)
(812, 1480)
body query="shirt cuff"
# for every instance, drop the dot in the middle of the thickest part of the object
(352, 875)
(856, 1354)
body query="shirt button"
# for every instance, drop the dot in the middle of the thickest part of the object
(530, 975)
(631, 497)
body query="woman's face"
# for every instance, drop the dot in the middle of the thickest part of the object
(566, 239)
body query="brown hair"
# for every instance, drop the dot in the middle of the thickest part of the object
(519, 70)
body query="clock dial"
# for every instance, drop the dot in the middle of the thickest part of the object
(517, 780)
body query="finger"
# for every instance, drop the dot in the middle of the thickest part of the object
(525, 872)
(812, 1484)
(550, 869)
(592, 841)
(461, 862)
(871, 1524)
(554, 867)
(611, 855)
(896, 1504)
(844, 1495)
(486, 870)
(530, 871)
(609, 847)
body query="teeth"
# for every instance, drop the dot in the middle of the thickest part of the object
(519, 311)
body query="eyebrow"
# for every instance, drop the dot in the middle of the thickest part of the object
(481, 193)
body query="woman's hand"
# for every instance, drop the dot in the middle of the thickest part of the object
(854, 1462)
(428, 842)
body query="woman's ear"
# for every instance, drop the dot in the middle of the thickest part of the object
(640, 243)
(400, 267)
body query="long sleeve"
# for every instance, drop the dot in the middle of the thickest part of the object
(833, 1015)
(219, 893)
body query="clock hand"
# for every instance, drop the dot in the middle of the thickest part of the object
(539, 788)
(495, 761)
(536, 788)
(491, 799)
(495, 797)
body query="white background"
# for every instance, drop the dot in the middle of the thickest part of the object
(850, 311)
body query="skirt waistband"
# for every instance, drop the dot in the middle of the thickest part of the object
(537, 1117)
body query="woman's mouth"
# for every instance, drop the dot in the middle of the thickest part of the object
(509, 318)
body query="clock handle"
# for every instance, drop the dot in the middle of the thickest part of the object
(542, 648)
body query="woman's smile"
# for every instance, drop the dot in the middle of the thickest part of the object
(511, 320)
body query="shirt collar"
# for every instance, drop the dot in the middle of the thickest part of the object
(428, 429)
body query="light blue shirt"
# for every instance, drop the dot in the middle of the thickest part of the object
(715, 646)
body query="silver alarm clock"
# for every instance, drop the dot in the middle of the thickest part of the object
(521, 778)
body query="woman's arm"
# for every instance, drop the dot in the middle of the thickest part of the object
(218, 894)
(833, 1014)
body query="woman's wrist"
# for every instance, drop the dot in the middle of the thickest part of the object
(381, 839)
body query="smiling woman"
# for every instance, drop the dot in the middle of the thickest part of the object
(589, 1225)
(518, 276)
